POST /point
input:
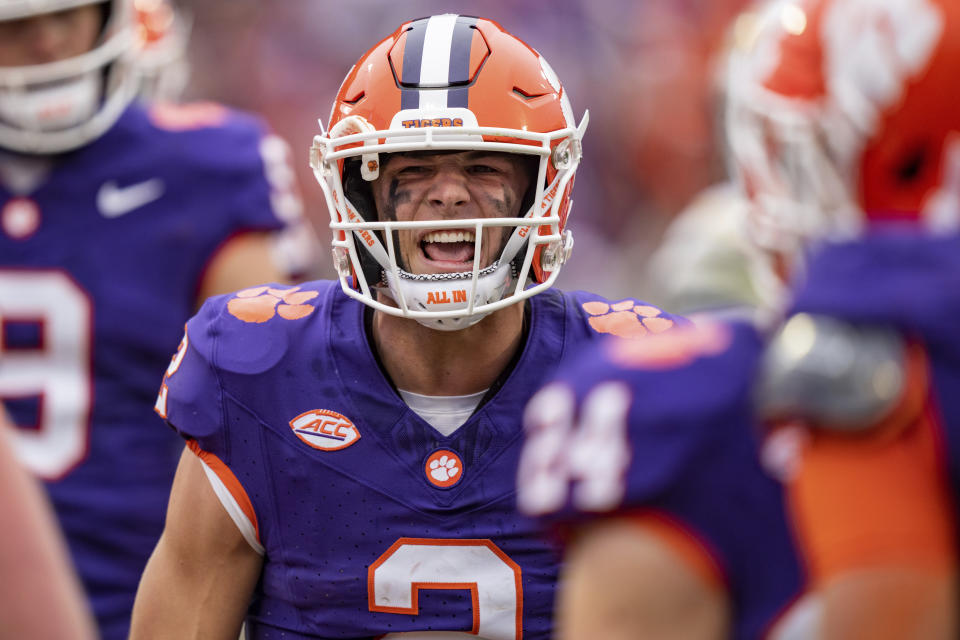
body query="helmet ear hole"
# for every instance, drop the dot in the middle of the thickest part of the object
(360, 194)
(531, 165)
(357, 190)
(911, 166)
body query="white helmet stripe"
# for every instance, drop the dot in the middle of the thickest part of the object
(435, 63)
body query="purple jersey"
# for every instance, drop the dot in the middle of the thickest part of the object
(666, 427)
(370, 521)
(908, 280)
(100, 265)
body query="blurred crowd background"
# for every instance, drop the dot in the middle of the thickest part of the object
(646, 69)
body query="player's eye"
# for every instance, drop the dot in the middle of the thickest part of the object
(483, 168)
(413, 170)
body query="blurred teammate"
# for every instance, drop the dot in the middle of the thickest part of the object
(847, 134)
(706, 264)
(844, 136)
(352, 447)
(115, 222)
(40, 595)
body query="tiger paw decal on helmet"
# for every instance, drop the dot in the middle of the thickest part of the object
(626, 319)
(260, 304)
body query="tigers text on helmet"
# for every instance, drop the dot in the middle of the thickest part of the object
(449, 83)
(60, 105)
(840, 116)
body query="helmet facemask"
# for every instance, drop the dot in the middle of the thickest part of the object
(797, 179)
(365, 249)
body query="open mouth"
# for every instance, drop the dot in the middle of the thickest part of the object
(453, 247)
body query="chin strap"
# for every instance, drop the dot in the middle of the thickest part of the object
(451, 292)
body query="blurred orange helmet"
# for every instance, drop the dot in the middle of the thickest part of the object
(449, 82)
(841, 114)
(162, 33)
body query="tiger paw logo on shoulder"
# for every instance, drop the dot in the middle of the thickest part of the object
(626, 319)
(260, 304)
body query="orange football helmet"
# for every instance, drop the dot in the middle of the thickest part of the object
(840, 116)
(448, 82)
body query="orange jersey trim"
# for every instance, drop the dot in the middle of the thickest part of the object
(230, 481)
(878, 499)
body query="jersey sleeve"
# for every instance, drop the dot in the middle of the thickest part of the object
(190, 398)
(878, 500)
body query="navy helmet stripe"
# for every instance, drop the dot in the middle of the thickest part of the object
(412, 61)
(460, 61)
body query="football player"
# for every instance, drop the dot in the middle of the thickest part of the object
(844, 138)
(645, 460)
(41, 596)
(116, 221)
(847, 134)
(352, 446)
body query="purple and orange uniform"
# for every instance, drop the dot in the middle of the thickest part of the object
(100, 267)
(370, 521)
(662, 431)
(886, 495)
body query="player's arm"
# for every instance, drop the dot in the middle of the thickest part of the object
(868, 496)
(40, 597)
(624, 580)
(876, 527)
(889, 603)
(245, 260)
(200, 578)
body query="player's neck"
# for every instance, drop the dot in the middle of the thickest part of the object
(22, 174)
(448, 363)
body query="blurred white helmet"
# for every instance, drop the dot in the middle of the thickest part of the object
(59, 106)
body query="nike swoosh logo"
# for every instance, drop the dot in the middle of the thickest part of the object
(114, 201)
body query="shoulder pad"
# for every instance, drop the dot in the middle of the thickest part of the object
(250, 331)
(832, 373)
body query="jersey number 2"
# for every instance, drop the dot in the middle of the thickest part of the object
(394, 581)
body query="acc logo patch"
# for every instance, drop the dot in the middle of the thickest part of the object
(444, 468)
(325, 430)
